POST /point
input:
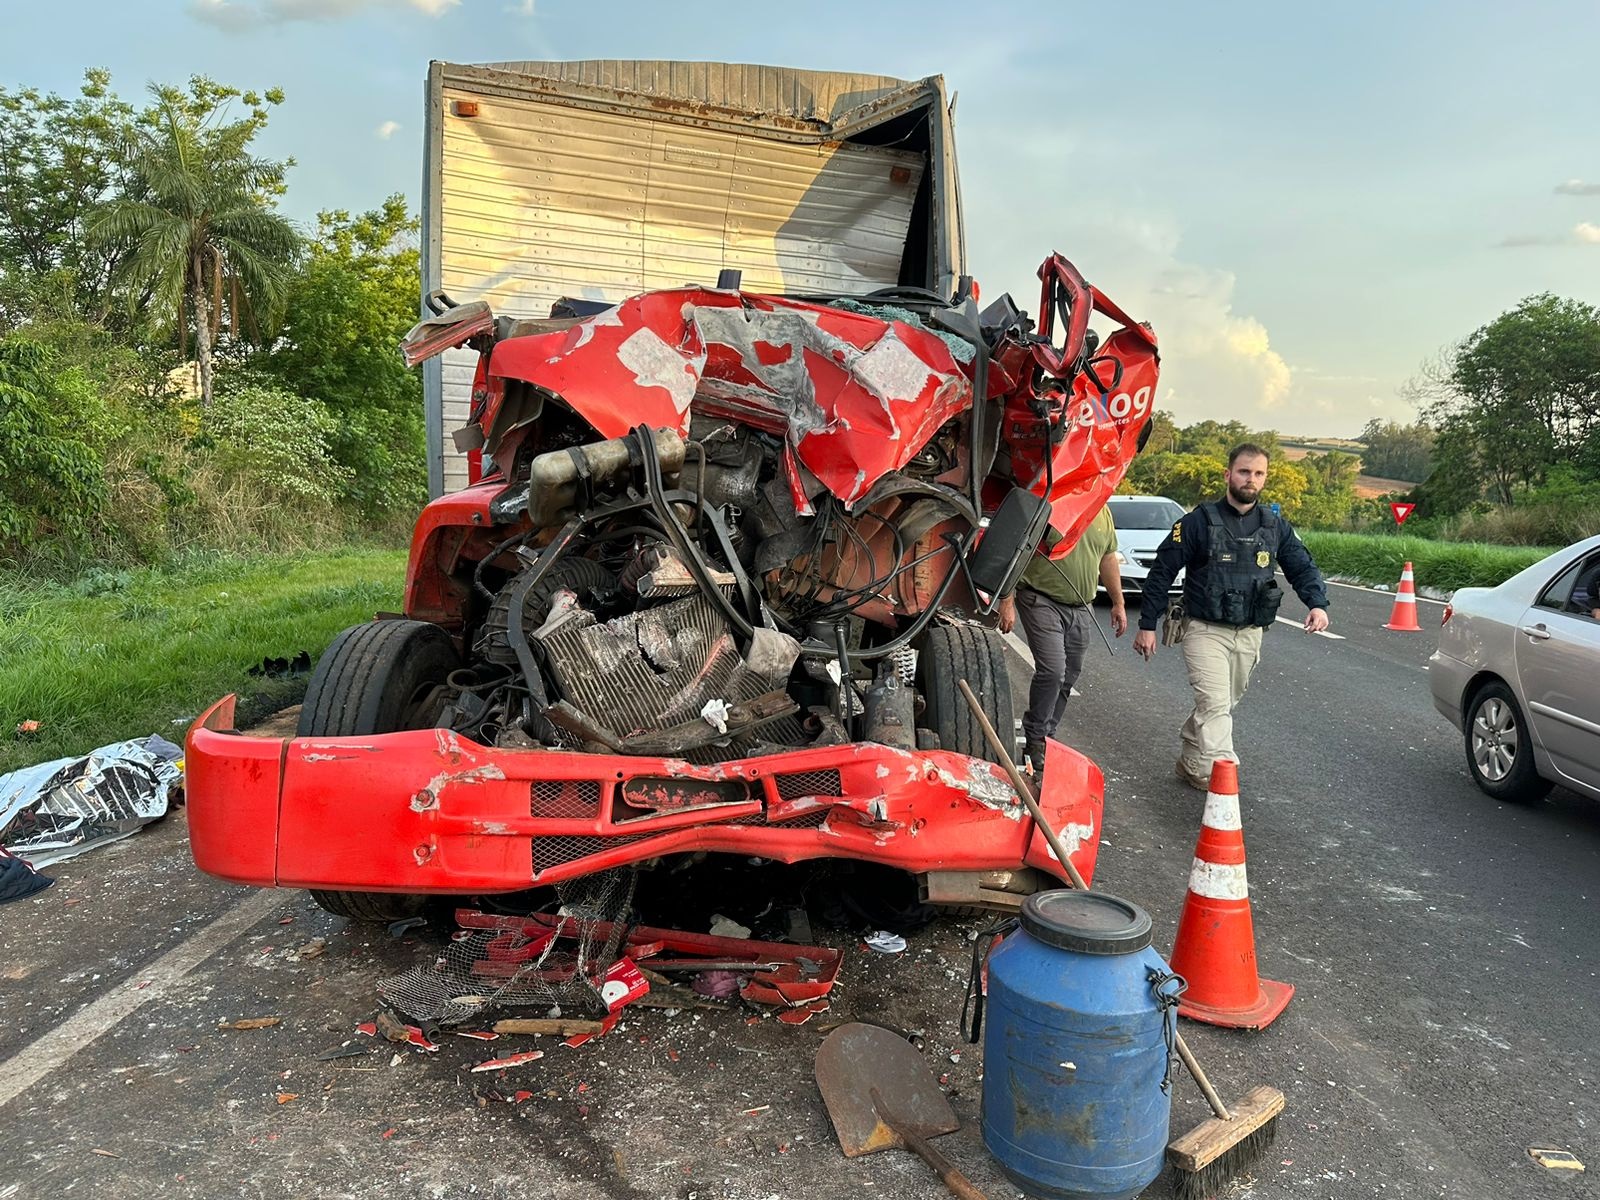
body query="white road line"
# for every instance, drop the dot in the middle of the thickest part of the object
(32, 1063)
(1361, 587)
(1338, 637)
(1016, 642)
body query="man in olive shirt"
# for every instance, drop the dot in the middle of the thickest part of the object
(1055, 599)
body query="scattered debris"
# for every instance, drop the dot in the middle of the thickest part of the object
(481, 1035)
(311, 949)
(252, 1023)
(561, 1026)
(25, 728)
(54, 810)
(722, 926)
(343, 1050)
(273, 668)
(392, 1027)
(285, 1097)
(105, 1153)
(510, 1060)
(718, 984)
(885, 942)
(398, 928)
(1555, 1160)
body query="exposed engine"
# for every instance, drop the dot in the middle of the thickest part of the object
(726, 523)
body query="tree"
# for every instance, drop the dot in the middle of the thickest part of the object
(60, 161)
(1524, 395)
(197, 222)
(345, 311)
(1395, 451)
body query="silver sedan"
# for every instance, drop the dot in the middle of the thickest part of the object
(1518, 672)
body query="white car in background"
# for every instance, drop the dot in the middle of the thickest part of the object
(1142, 524)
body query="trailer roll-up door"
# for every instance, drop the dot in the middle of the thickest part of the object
(602, 179)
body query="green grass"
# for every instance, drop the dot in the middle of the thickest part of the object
(1439, 566)
(122, 654)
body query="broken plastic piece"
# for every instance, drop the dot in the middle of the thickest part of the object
(885, 942)
(510, 1060)
(1555, 1160)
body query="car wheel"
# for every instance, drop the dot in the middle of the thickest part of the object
(380, 677)
(1499, 752)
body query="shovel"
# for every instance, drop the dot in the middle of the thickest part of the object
(880, 1096)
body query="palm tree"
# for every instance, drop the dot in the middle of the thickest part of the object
(198, 222)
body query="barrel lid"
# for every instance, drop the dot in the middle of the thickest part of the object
(1088, 922)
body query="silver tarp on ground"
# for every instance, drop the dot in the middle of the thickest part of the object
(57, 809)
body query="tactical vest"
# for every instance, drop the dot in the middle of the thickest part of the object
(1239, 586)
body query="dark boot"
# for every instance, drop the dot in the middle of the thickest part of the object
(1033, 756)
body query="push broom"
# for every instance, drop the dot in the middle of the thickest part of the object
(1214, 1151)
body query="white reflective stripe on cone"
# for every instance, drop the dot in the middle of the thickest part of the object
(1222, 812)
(1405, 598)
(1219, 881)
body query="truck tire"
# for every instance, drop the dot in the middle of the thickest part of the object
(954, 652)
(380, 677)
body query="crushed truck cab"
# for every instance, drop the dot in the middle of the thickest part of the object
(723, 553)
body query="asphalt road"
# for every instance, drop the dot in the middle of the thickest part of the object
(1443, 947)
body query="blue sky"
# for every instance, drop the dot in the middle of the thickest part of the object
(1307, 204)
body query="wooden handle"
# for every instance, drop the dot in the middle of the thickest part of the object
(1217, 1106)
(949, 1173)
(1023, 790)
(1021, 786)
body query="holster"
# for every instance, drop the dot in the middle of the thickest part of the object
(1172, 624)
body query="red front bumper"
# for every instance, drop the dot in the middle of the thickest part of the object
(429, 811)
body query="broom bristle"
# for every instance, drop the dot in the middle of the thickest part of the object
(1207, 1181)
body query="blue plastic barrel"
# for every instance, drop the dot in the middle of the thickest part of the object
(1078, 1023)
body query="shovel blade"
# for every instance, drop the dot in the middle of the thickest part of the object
(856, 1060)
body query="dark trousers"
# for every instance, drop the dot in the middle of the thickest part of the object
(1058, 634)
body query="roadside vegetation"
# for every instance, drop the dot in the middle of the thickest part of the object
(122, 653)
(1376, 559)
(182, 369)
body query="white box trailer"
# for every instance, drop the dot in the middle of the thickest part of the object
(600, 179)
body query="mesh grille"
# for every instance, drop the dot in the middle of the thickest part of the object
(558, 851)
(810, 783)
(479, 969)
(571, 798)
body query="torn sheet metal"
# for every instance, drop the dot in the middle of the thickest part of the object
(854, 395)
(54, 810)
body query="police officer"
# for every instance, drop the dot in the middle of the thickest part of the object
(1230, 550)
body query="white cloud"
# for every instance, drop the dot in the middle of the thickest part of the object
(387, 130)
(1216, 362)
(1577, 187)
(1584, 233)
(234, 16)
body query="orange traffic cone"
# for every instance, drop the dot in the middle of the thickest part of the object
(1215, 949)
(1404, 617)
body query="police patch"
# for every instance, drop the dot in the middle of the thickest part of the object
(1177, 532)
(1262, 558)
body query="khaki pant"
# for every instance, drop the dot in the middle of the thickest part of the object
(1220, 659)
